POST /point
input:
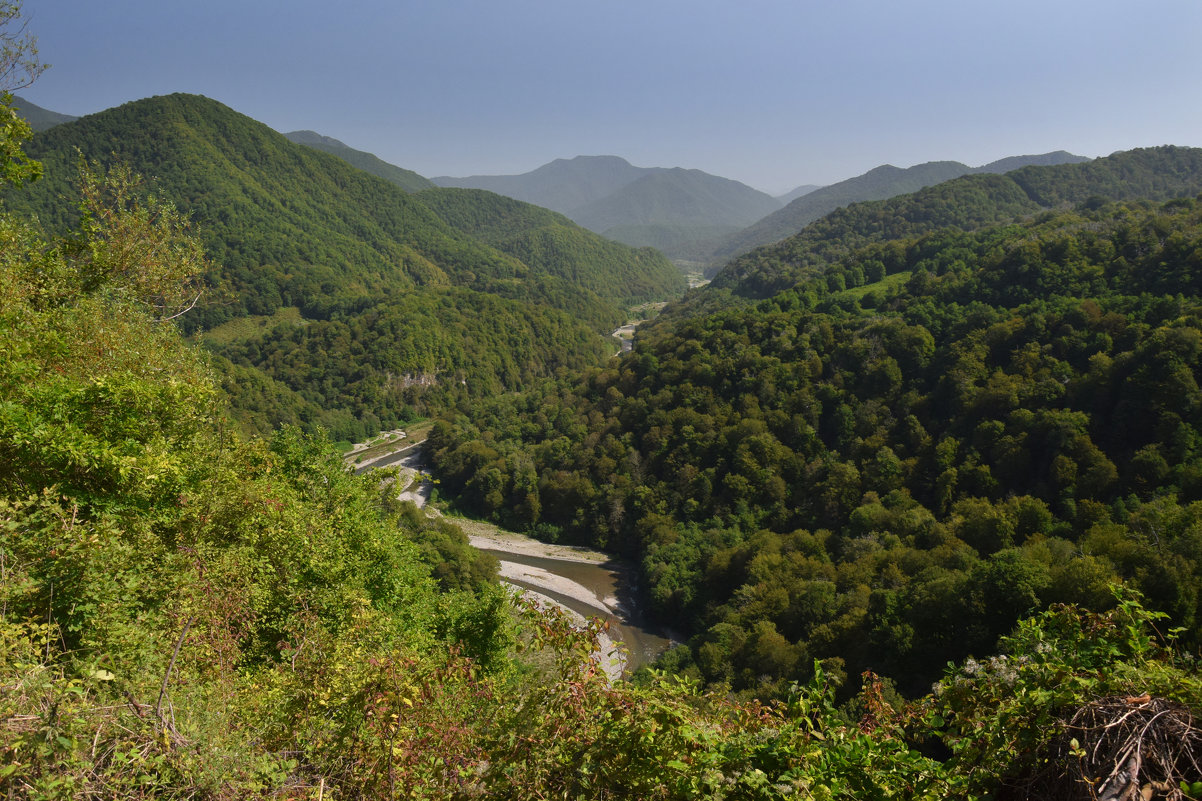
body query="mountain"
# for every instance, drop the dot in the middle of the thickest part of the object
(967, 203)
(676, 197)
(552, 243)
(561, 185)
(1044, 160)
(405, 179)
(39, 119)
(880, 183)
(891, 462)
(676, 210)
(311, 248)
(804, 189)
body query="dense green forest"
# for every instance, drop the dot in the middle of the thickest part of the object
(285, 225)
(189, 612)
(889, 464)
(409, 356)
(368, 162)
(879, 183)
(968, 203)
(553, 244)
(469, 292)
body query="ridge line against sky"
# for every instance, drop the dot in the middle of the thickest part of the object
(773, 93)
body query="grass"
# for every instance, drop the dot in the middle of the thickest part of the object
(883, 286)
(254, 325)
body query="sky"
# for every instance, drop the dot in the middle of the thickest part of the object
(773, 93)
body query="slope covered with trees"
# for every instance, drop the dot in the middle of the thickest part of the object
(966, 203)
(893, 461)
(552, 243)
(289, 229)
(880, 183)
(186, 613)
(368, 162)
(284, 225)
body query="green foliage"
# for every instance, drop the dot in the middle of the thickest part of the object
(1000, 717)
(405, 179)
(894, 481)
(551, 243)
(968, 203)
(14, 131)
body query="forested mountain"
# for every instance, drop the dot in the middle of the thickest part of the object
(676, 210)
(368, 162)
(967, 203)
(797, 192)
(551, 243)
(287, 226)
(893, 461)
(284, 225)
(880, 183)
(560, 185)
(885, 465)
(674, 199)
(39, 119)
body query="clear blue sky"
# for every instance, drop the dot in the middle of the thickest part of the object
(774, 93)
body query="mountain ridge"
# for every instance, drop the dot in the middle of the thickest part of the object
(968, 202)
(408, 180)
(879, 183)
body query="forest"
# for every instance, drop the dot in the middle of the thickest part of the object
(931, 515)
(888, 465)
(496, 292)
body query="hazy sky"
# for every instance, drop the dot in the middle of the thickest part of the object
(774, 93)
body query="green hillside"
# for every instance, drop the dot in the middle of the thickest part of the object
(368, 162)
(891, 463)
(967, 203)
(676, 199)
(284, 225)
(676, 196)
(553, 244)
(880, 183)
(973, 425)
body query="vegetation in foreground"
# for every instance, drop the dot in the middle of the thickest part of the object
(188, 613)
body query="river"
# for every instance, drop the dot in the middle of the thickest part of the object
(586, 582)
(608, 592)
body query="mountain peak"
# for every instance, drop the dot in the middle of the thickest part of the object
(314, 138)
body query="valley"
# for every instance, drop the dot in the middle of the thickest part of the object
(909, 478)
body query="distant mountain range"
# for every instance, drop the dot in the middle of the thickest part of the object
(966, 203)
(880, 183)
(39, 119)
(696, 217)
(671, 208)
(804, 189)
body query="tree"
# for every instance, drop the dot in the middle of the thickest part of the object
(19, 64)
(19, 67)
